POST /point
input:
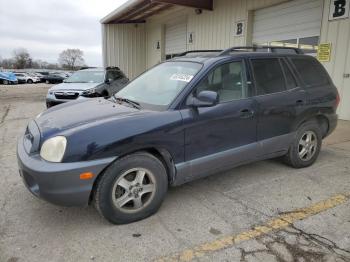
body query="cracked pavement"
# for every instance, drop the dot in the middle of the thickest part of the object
(202, 211)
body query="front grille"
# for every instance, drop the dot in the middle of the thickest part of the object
(66, 95)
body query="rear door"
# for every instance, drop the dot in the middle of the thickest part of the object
(280, 101)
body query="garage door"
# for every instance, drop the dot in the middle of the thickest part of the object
(175, 37)
(296, 23)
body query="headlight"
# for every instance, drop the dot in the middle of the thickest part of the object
(53, 149)
(89, 91)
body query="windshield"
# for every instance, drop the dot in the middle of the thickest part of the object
(86, 77)
(160, 85)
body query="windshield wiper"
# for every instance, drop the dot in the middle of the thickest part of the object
(128, 101)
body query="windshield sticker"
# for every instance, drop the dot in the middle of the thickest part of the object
(181, 77)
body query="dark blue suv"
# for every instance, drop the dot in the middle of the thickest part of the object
(184, 119)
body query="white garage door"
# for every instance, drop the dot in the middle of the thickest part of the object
(294, 23)
(175, 37)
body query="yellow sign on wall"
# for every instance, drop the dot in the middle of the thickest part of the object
(324, 52)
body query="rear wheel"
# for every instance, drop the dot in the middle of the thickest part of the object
(6, 82)
(29, 81)
(131, 189)
(306, 146)
(47, 82)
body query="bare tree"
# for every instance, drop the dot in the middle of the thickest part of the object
(21, 58)
(71, 58)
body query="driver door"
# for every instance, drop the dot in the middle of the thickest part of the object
(224, 135)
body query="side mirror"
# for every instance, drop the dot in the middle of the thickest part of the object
(203, 99)
(107, 81)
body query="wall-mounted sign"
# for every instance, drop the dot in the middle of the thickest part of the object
(339, 9)
(239, 28)
(324, 52)
(190, 38)
(158, 46)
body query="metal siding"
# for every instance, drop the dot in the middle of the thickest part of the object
(125, 47)
(295, 19)
(337, 33)
(215, 29)
(176, 36)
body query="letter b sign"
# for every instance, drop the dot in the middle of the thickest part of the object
(339, 9)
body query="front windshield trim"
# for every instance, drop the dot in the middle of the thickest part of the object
(156, 107)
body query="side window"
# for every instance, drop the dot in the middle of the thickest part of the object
(268, 76)
(228, 80)
(290, 80)
(311, 71)
(114, 75)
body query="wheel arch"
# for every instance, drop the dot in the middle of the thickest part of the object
(161, 154)
(322, 121)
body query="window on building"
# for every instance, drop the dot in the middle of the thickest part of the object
(227, 80)
(268, 76)
(311, 71)
(309, 45)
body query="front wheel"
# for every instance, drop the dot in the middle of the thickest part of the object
(29, 81)
(306, 146)
(131, 189)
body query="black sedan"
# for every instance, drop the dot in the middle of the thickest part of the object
(54, 78)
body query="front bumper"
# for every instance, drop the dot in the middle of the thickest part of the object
(58, 183)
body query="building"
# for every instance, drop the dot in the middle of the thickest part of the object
(142, 33)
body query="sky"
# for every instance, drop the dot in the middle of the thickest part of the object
(47, 27)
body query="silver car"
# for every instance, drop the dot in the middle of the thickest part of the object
(87, 83)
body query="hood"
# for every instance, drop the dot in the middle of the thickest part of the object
(80, 113)
(74, 86)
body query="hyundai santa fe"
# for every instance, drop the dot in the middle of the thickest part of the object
(184, 119)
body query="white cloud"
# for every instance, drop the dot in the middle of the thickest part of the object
(45, 28)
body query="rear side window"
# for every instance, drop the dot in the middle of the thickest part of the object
(268, 76)
(311, 71)
(290, 81)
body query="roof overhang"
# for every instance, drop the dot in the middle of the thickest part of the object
(137, 11)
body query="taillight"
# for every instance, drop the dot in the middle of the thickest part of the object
(337, 101)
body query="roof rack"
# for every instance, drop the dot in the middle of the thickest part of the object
(255, 48)
(198, 51)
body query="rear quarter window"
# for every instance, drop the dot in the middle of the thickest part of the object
(311, 71)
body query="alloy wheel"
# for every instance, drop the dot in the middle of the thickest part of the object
(307, 146)
(134, 190)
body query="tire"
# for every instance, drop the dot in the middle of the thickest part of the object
(47, 82)
(29, 81)
(308, 139)
(6, 82)
(118, 191)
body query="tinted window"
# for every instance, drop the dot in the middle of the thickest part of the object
(268, 76)
(227, 80)
(311, 71)
(290, 81)
(114, 75)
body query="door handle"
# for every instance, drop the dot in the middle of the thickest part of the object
(246, 113)
(300, 102)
